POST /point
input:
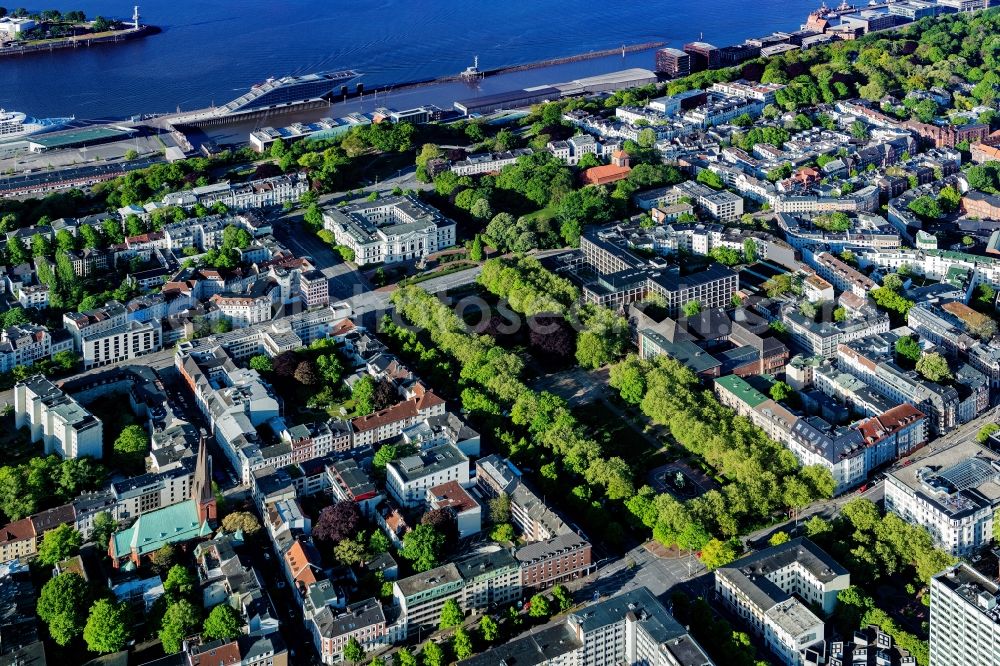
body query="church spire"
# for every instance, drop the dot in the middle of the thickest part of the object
(201, 485)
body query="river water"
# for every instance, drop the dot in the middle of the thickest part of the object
(210, 51)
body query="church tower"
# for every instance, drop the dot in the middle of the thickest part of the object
(201, 485)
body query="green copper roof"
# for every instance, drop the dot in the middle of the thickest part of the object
(171, 524)
(742, 390)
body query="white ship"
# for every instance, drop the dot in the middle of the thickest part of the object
(16, 125)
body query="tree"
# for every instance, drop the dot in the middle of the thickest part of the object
(718, 553)
(404, 657)
(363, 394)
(926, 207)
(423, 546)
(934, 367)
(749, 250)
(14, 317)
(540, 606)
(337, 522)
(443, 520)
(104, 527)
(984, 433)
(241, 520)
(859, 130)
(108, 627)
(432, 654)
(780, 391)
(223, 622)
(451, 615)
(710, 178)
(489, 628)
(817, 527)
(58, 544)
(502, 533)
(349, 552)
(62, 605)
(378, 543)
(386, 454)
(462, 644)
(353, 651)
(16, 252)
(691, 309)
(305, 373)
(133, 441)
(562, 596)
(180, 621)
(164, 558)
(285, 364)
(180, 582)
(261, 363)
(476, 251)
(500, 508)
(908, 348)
(779, 538)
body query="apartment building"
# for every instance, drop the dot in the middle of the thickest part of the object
(153, 490)
(842, 275)
(262, 193)
(408, 479)
(25, 344)
(106, 335)
(57, 420)
(392, 421)
(953, 493)
(453, 497)
(476, 582)
(244, 309)
(559, 559)
(632, 628)
(364, 621)
(314, 288)
(841, 450)
(869, 359)
(475, 165)
(535, 520)
(824, 337)
(759, 588)
(233, 400)
(398, 228)
(965, 618)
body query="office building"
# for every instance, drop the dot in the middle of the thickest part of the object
(398, 228)
(760, 587)
(953, 494)
(632, 628)
(673, 62)
(965, 618)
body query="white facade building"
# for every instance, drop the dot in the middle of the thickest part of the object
(953, 494)
(56, 419)
(965, 618)
(390, 230)
(759, 588)
(409, 478)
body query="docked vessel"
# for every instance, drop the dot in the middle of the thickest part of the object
(290, 90)
(16, 125)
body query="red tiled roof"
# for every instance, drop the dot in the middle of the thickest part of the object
(300, 565)
(19, 530)
(454, 496)
(879, 427)
(398, 412)
(607, 173)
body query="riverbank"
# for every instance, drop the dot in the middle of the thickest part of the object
(80, 41)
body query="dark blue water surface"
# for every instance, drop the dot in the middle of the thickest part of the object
(212, 50)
